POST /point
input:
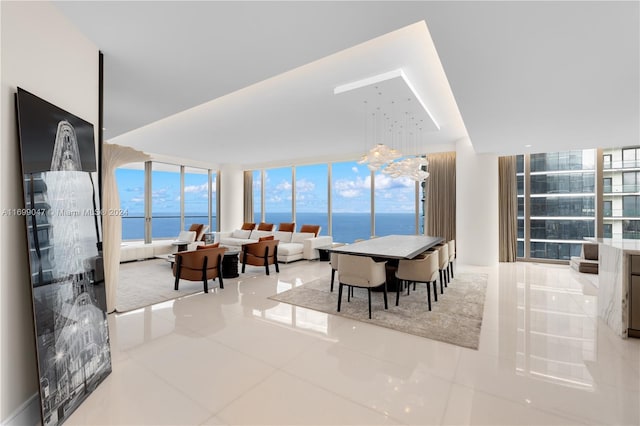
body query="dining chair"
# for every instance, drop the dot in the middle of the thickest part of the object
(199, 265)
(452, 255)
(424, 268)
(443, 263)
(334, 258)
(362, 272)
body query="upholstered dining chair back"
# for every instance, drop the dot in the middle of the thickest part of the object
(199, 265)
(361, 271)
(424, 268)
(334, 258)
(262, 253)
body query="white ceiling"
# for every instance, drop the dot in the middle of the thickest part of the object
(257, 78)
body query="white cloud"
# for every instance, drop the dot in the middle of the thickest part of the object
(197, 188)
(284, 186)
(304, 185)
(352, 188)
(387, 182)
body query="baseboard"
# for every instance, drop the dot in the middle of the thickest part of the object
(27, 414)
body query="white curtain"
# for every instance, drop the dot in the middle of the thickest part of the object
(113, 156)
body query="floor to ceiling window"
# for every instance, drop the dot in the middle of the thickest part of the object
(311, 191)
(621, 192)
(196, 197)
(257, 196)
(395, 205)
(130, 181)
(278, 193)
(165, 200)
(561, 200)
(351, 202)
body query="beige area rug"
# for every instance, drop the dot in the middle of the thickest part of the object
(151, 281)
(455, 318)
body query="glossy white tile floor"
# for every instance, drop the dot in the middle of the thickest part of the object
(235, 357)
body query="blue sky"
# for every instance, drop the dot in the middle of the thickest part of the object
(351, 190)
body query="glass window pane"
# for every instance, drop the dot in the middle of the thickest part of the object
(130, 179)
(351, 201)
(257, 196)
(196, 196)
(278, 192)
(395, 205)
(312, 196)
(165, 200)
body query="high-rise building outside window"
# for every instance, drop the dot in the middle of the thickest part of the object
(561, 203)
(621, 192)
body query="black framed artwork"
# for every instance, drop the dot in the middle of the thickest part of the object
(63, 229)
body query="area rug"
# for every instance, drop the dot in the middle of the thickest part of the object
(455, 318)
(148, 282)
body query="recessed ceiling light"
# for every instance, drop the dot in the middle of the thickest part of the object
(528, 145)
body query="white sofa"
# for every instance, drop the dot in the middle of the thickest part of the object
(239, 237)
(292, 245)
(300, 245)
(138, 250)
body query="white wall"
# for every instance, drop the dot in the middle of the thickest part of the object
(231, 207)
(42, 53)
(476, 206)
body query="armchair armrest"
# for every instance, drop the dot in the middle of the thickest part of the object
(309, 250)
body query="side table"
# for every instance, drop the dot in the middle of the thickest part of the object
(230, 264)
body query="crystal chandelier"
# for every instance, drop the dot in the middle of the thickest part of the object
(378, 156)
(411, 167)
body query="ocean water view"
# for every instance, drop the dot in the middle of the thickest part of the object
(347, 227)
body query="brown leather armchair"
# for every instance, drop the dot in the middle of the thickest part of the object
(262, 253)
(199, 265)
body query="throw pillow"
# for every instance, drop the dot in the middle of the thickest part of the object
(265, 226)
(287, 227)
(239, 233)
(267, 238)
(248, 226)
(210, 246)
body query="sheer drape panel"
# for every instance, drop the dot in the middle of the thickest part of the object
(113, 156)
(248, 196)
(440, 208)
(508, 209)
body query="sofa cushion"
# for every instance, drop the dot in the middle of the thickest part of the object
(283, 237)
(311, 228)
(287, 249)
(197, 228)
(287, 227)
(240, 233)
(299, 237)
(188, 236)
(255, 234)
(265, 238)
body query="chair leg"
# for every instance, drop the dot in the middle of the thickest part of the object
(369, 292)
(340, 295)
(220, 271)
(178, 267)
(441, 281)
(399, 284)
(204, 275)
(435, 289)
(446, 271)
(451, 267)
(275, 259)
(386, 305)
(333, 276)
(429, 296)
(349, 289)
